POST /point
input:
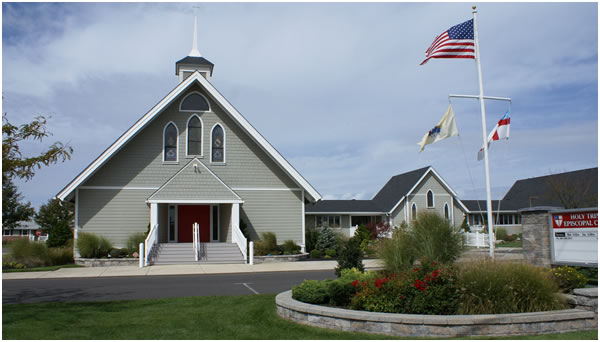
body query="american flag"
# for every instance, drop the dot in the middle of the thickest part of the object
(457, 42)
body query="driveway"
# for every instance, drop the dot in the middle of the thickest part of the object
(147, 287)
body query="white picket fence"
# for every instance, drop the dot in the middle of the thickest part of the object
(476, 239)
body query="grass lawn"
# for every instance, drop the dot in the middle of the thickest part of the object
(40, 269)
(512, 244)
(231, 317)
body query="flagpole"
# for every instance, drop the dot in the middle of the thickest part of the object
(485, 146)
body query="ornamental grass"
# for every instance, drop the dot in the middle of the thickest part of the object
(496, 288)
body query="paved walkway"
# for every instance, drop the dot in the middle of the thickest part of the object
(502, 254)
(126, 271)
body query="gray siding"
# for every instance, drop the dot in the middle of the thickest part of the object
(440, 196)
(279, 212)
(139, 163)
(398, 216)
(345, 221)
(163, 223)
(225, 222)
(114, 214)
(191, 184)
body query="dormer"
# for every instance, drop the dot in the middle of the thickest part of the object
(194, 60)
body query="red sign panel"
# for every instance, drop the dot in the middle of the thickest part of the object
(38, 232)
(583, 219)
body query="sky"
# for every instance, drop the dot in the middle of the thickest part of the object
(336, 88)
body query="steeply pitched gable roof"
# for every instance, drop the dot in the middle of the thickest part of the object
(397, 187)
(310, 192)
(580, 185)
(344, 206)
(195, 182)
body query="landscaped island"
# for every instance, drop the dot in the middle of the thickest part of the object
(421, 278)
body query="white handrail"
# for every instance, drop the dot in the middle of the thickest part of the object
(196, 228)
(149, 243)
(240, 240)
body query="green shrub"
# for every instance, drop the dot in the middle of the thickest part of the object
(326, 240)
(435, 239)
(340, 292)
(501, 234)
(311, 238)
(60, 255)
(568, 278)
(397, 253)
(496, 288)
(93, 246)
(11, 265)
(118, 253)
(270, 240)
(362, 234)
(311, 291)
(260, 248)
(350, 257)
(591, 273)
(331, 253)
(315, 254)
(31, 254)
(133, 242)
(290, 247)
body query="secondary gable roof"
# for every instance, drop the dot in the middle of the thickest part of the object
(310, 192)
(194, 183)
(580, 185)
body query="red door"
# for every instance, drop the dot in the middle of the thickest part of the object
(187, 215)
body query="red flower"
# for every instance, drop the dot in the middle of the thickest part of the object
(401, 297)
(416, 269)
(435, 273)
(355, 283)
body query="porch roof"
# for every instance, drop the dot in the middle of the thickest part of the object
(195, 183)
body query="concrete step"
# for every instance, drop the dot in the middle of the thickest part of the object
(183, 253)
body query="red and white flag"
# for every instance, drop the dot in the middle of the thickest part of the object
(501, 131)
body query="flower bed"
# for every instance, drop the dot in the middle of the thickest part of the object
(443, 326)
(279, 258)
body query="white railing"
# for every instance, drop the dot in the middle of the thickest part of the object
(149, 243)
(238, 238)
(196, 228)
(476, 239)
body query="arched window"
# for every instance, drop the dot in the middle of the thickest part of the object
(194, 102)
(446, 211)
(217, 144)
(194, 136)
(171, 136)
(429, 199)
(414, 211)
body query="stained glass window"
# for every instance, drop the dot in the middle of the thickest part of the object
(194, 136)
(170, 153)
(218, 144)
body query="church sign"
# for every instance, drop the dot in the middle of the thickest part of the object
(574, 236)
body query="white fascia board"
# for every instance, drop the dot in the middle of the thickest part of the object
(262, 142)
(346, 213)
(130, 133)
(397, 205)
(196, 201)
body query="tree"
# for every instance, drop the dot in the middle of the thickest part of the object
(56, 218)
(13, 211)
(572, 190)
(326, 240)
(14, 164)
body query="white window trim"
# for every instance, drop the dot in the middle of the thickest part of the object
(224, 145)
(194, 110)
(427, 199)
(416, 212)
(187, 141)
(176, 161)
(444, 211)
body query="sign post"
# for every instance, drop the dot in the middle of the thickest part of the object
(574, 237)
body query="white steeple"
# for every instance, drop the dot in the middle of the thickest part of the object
(194, 52)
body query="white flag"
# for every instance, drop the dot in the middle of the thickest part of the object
(444, 129)
(501, 131)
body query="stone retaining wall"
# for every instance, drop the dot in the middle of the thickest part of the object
(107, 262)
(434, 325)
(279, 258)
(584, 299)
